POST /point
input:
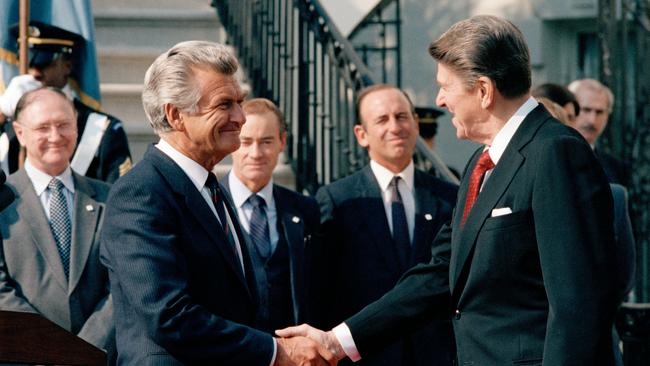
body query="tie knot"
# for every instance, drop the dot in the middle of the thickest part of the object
(212, 182)
(485, 162)
(256, 201)
(55, 185)
(395, 181)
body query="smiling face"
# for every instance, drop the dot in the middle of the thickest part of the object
(388, 128)
(261, 145)
(47, 127)
(464, 104)
(212, 132)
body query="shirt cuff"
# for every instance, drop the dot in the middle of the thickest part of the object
(275, 351)
(344, 336)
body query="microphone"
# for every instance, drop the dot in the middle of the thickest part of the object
(6, 194)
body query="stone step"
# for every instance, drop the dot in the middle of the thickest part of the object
(155, 28)
(125, 64)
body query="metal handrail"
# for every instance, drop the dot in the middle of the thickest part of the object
(295, 56)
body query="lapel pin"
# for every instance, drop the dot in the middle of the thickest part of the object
(90, 208)
(295, 219)
(428, 217)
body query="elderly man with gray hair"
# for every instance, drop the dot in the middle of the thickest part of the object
(184, 287)
(596, 104)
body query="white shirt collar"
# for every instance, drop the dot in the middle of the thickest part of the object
(503, 137)
(197, 173)
(40, 180)
(384, 176)
(240, 193)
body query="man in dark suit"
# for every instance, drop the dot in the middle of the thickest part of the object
(49, 254)
(181, 275)
(102, 148)
(596, 103)
(528, 263)
(279, 223)
(362, 254)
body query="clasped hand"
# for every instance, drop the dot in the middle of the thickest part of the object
(305, 345)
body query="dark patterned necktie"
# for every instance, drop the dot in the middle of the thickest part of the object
(259, 226)
(400, 225)
(483, 165)
(60, 222)
(217, 199)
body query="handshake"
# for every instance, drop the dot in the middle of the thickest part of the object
(305, 345)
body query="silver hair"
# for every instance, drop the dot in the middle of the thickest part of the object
(170, 78)
(595, 86)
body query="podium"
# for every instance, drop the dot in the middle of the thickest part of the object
(29, 338)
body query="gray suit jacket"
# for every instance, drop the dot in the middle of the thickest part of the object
(31, 273)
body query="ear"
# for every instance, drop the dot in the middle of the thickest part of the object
(360, 134)
(486, 89)
(20, 132)
(283, 140)
(174, 117)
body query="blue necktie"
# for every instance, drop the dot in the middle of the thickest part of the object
(60, 222)
(259, 226)
(400, 226)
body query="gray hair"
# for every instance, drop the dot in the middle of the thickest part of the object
(595, 86)
(170, 78)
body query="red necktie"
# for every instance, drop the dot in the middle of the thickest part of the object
(483, 165)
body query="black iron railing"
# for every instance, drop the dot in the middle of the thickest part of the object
(377, 38)
(294, 55)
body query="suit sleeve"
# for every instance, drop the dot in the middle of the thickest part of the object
(141, 246)
(99, 328)
(320, 253)
(574, 234)
(10, 299)
(422, 294)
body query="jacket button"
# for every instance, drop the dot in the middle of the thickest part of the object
(457, 314)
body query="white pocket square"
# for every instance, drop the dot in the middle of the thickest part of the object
(501, 211)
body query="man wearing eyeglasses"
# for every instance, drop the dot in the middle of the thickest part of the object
(49, 254)
(102, 147)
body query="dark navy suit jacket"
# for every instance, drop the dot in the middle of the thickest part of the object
(179, 292)
(537, 286)
(359, 263)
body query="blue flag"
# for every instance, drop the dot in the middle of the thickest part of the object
(72, 15)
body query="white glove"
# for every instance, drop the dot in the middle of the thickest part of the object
(18, 86)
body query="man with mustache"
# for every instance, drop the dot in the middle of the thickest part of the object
(596, 103)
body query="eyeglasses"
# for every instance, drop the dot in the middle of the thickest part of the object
(64, 128)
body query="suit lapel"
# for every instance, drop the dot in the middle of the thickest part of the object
(198, 207)
(426, 210)
(373, 215)
(464, 239)
(293, 227)
(86, 216)
(31, 210)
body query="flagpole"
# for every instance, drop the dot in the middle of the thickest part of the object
(24, 23)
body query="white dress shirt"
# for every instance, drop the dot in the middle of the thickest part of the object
(240, 194)
(199, 175)
(499, 145)
(40, 180)
(406, 190)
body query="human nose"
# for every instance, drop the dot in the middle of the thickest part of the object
(255, 150)
(440, 100)
(238, 115)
